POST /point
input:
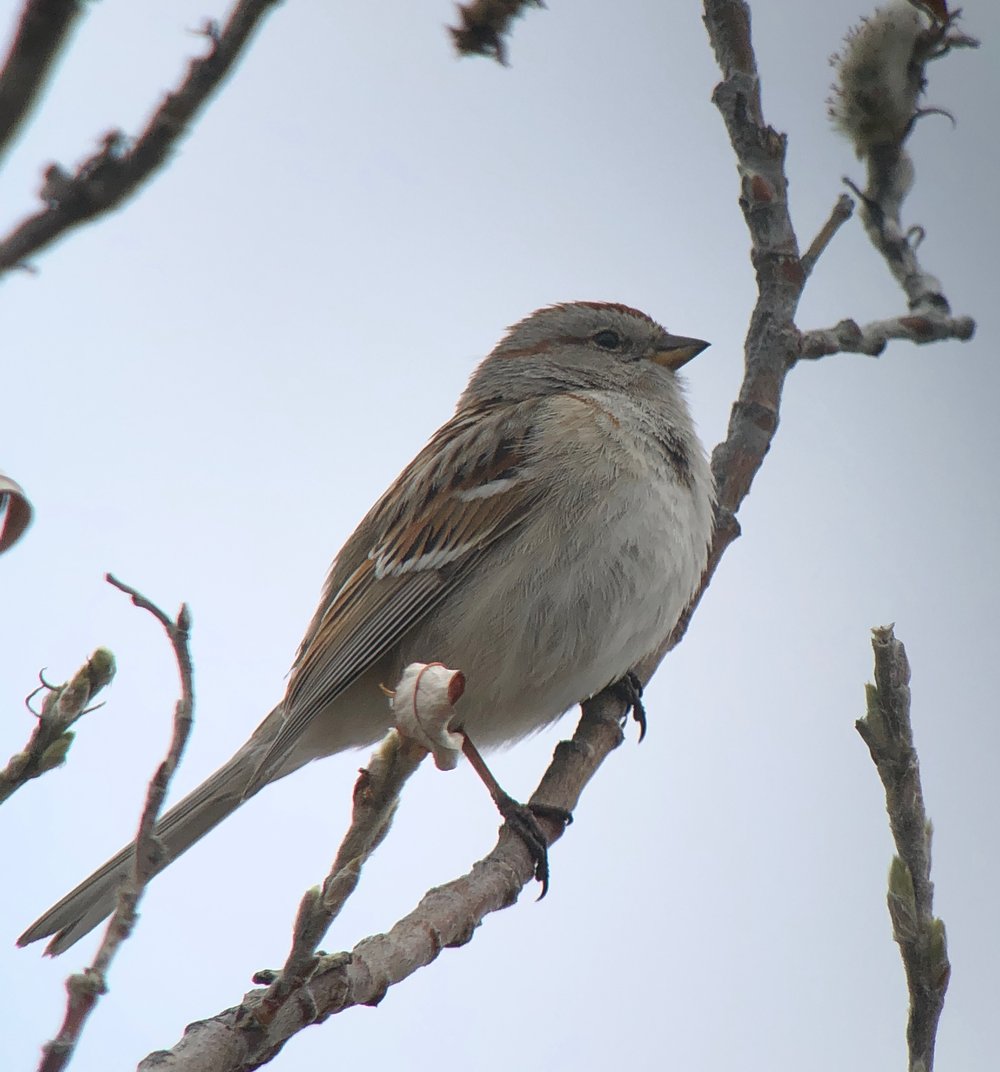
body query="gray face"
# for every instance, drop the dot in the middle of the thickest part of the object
(581, 345)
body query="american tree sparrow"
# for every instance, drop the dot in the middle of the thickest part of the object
(545, 540)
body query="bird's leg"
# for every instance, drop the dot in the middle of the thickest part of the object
(628, 689)
(520, 817)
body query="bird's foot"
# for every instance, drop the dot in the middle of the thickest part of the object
(628, 689)
(523, 820)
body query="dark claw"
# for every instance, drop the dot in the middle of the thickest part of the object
(629, 690)
(521, 819)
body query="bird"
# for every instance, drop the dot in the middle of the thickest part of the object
(545, 540)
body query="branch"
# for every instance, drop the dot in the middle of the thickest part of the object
(484, 24)
(880, 80)
(63, 705)
(236, 1039)
(842, 212)
(117, 170)
(86, 987)
(887, 731)
(849, 337)
(42, 30)
(772, 343)
(375, 799)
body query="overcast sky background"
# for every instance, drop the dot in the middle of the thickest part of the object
(205, 393)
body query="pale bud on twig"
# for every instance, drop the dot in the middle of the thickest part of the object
(423, 704)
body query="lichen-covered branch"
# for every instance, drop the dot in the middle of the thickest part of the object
(484, 25)
(63, 705)
(85, 988)
(119, 167)
(853, 338)
(42, 30)
(887, 730)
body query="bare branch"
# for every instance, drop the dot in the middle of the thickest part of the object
(376, 797)
(849, 337)
(887, 731)
(116, 171)
(49, 743)
(842, 212)
(446, 917)
(42, 30)
(85, 988)
(772, 342)
(484, 24)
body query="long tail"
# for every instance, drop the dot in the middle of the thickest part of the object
(94, 899)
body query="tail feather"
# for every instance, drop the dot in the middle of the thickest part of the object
(84, 907)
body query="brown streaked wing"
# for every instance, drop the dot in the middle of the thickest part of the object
(469, 486)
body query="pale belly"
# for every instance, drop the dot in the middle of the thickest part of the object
(556, 617)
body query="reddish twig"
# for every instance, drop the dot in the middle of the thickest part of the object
(85, 988)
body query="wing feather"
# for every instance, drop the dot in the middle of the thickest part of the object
(469, 486)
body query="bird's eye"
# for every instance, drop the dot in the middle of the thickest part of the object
(608, 340)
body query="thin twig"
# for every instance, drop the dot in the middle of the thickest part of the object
(842, 212)
(447, 916)
(63, 705)
(850, 337)
(887, 731)
(118, 168)
(42, 31)
(86, 987)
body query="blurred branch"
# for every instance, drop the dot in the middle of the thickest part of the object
(887, 731)
(63, 705)
(884, 129)
(484, 24)
(15, 512)
(85, 988)
(446, 917)
(117, 170)
(42, 30)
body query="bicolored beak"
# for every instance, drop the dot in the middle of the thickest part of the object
(674, 351)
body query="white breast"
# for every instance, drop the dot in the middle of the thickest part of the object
(585, 588)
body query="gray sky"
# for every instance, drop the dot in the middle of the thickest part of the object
(206, 392)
